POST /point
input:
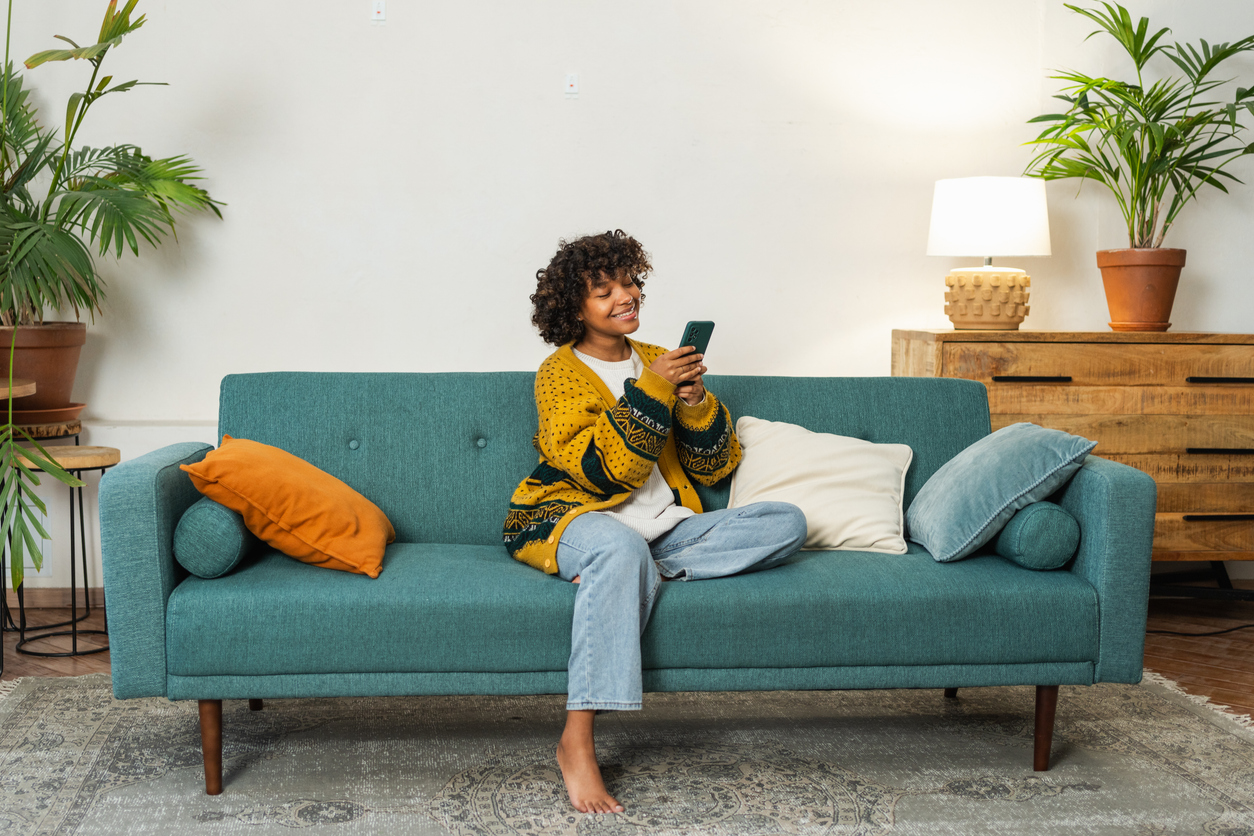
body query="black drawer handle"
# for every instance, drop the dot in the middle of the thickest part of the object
(1219, 517)
(1031, 378)
(1245, 380)
(1220, 451)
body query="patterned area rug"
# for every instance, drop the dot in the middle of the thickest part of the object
(1141, 760)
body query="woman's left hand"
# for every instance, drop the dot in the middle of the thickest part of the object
(693, 392)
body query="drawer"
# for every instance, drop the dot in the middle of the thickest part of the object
(1096, 364)
(1206, 497)
(1198, 483)
(1187, 467)
(1148, 433)
(1204, 533)
(1072, 399)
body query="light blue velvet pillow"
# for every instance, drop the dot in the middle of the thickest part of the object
(1041, 536)
(966, 502)
(211, 539)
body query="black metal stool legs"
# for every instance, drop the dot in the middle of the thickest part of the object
(78, 543)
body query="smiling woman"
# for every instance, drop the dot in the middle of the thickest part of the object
(625, 428)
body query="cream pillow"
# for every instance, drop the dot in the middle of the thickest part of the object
(849, 489)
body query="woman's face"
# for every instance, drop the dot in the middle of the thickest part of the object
(612, 307)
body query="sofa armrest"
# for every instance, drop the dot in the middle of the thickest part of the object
(1114, 505)
(141, 502)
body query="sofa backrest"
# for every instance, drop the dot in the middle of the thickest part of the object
(442, 453)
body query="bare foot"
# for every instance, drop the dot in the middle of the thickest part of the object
(576, 755)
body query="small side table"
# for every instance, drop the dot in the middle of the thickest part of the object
(76, 460)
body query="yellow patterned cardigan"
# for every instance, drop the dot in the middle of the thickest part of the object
(594, 451)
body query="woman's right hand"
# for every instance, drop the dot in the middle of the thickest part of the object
(680, 366)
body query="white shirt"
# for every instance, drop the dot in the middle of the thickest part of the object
(650, 511)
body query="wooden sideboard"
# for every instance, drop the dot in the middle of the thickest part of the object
(1177, 405)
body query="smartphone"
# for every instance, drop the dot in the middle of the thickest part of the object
(697, 334)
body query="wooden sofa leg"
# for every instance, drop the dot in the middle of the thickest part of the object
(211, 744)
(1046, 705)
(951, 693)
(256, 705)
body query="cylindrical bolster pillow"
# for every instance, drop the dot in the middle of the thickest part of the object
(211, 539)
(1039, 536)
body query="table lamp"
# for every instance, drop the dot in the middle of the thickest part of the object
(988, 216)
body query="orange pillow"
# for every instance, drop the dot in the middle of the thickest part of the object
(298, 509)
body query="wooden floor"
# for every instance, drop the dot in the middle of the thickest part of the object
(1219, 667)
(19, 664)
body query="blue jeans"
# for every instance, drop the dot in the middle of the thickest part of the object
(619, 575)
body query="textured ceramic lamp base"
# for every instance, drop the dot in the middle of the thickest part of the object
(987, 298)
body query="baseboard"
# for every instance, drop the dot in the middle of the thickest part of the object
(55, 597)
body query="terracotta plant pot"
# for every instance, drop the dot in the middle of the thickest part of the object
(1140, 286)
(48, 355)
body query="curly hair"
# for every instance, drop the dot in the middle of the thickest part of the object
(579, 265)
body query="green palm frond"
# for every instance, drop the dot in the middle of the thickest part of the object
(1117, 23)
(1198, 63)
(169, 182)
(39, 158)
(21, 127)
(111, 214)
(20, 502)
(87, 161)
(40, 262)
(116, 26)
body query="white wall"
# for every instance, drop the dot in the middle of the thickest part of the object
(392, 188)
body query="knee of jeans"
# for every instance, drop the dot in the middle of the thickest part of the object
(623, 558)
(793, 519)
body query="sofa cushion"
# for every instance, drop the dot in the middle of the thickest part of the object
(473, 608)
(302, 511)
(965, 503)
(211, 539)
(850, 490)
(1039, 536)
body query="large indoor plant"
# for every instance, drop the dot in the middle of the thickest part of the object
(1154, 146)
(58, 202)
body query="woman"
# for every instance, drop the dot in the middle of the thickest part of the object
(624, 427)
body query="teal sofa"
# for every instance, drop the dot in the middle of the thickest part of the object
(452, 613)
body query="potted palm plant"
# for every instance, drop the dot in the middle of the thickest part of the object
(58, 202)
(1154, 146)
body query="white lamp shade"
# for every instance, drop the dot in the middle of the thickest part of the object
(989, 216)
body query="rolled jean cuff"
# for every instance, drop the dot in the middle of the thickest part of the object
(595, 705)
